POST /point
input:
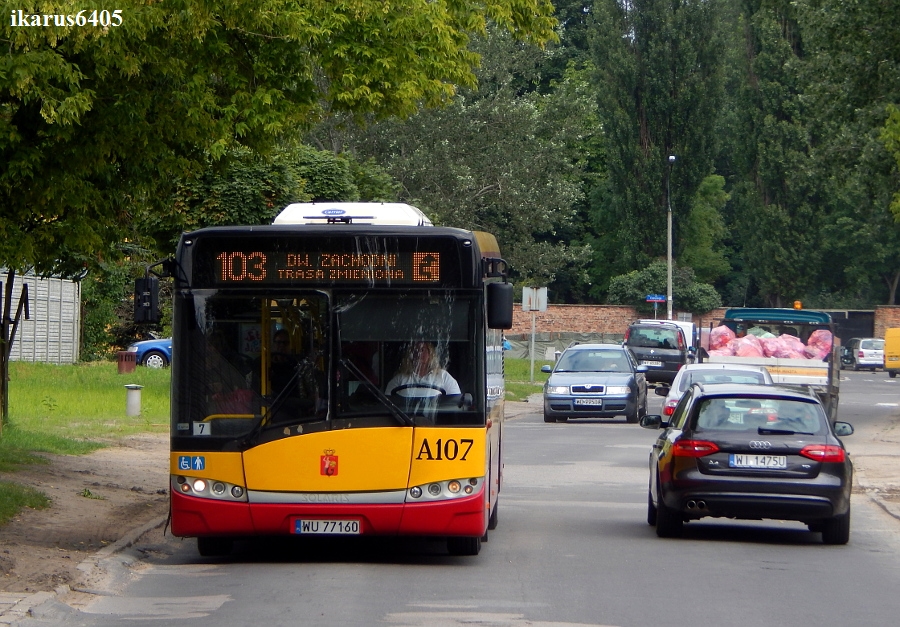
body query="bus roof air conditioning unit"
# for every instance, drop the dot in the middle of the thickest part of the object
(370, 213)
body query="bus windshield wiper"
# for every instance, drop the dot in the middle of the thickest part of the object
(395, 411)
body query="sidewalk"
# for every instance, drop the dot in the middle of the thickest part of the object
(876, 460)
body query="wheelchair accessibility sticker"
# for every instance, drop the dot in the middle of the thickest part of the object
(187, 462)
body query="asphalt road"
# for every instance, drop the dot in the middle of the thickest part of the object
(572, 548)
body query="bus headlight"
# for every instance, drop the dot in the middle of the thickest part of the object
(446, 490)
(208, 489)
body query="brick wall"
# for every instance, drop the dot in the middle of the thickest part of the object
(886, 317)
(614, 319)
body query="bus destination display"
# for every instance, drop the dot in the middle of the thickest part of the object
(240, 267)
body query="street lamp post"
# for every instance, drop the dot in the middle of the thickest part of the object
(669, 245)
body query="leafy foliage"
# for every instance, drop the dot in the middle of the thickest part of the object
(687, 294)
(659, 86)
(96, 124)
(493, 159)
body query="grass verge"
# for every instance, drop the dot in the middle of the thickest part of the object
(14, 497)
(518, 378)
(71, 410)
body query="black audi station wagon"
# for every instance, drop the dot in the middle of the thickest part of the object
(749, 452)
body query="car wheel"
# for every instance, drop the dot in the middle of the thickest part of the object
(214, 547)
(669, 523)
(892, 374)
(463, 546)
(855, 366)
(548, 418)
(837, 530)
(651, 510)
(634, 416)
(155, 359)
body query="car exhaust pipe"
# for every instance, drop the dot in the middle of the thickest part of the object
(701, 504)
(692, 504)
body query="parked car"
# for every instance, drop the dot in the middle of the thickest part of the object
(710, 373)
(595, 381)
(153, 353)
(749, 452)
(661, 346)
(867, 352)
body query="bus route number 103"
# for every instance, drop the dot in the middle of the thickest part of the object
(238, 266)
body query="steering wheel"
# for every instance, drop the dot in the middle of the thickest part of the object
(421, 386)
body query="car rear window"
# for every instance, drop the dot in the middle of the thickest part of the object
(720, 376)
(748, 415)
(876, 345)
(643, 337)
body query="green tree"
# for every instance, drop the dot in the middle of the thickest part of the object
(853, 50)
(705, 231)
(688, 294)
(659, 85)
(494, 159)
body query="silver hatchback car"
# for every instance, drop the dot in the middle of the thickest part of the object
(710, 373)
(863, 353)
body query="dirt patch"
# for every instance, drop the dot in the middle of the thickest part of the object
(95, 500)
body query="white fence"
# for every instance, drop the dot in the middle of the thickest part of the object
(53, 332)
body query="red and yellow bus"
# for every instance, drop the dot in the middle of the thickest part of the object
(285, 338)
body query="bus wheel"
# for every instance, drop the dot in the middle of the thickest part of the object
(463, 546)
(492, 521)
(214, 547)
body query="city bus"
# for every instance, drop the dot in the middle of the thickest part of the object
(285, 338)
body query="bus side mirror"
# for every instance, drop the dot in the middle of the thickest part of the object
(500, 305)
(146, 300)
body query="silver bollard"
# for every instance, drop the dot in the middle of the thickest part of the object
(133, 399)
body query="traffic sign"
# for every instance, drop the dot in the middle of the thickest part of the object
(656, 298)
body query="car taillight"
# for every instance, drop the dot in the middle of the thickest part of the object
(680, 343)
(861, 354)
(669, 409)
(627, 333)
(824, 452)
(694, 448)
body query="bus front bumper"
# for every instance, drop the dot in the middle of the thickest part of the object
(194, 517)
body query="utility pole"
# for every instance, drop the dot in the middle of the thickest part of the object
(669, 245)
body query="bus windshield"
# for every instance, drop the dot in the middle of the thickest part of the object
(257, 366)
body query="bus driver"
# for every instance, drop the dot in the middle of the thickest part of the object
(421, 375)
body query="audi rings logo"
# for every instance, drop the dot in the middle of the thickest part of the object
(760, 444)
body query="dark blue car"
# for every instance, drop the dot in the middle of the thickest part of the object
(153, 353)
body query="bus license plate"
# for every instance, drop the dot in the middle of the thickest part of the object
(588, 401)
(326, 527)
(655, 364)
(757, 461)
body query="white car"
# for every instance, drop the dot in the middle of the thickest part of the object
(867, 352)
(710, 373)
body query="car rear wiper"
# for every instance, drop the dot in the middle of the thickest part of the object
(395, 411)
(768, 431)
